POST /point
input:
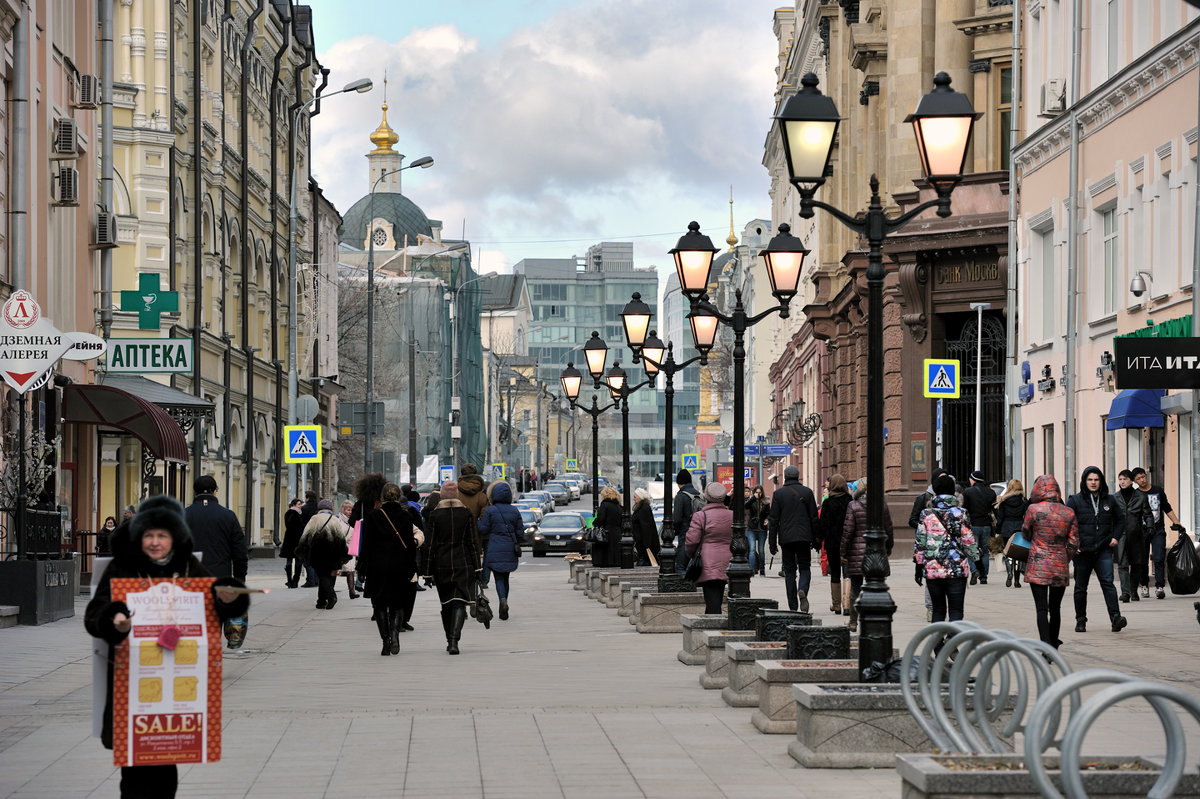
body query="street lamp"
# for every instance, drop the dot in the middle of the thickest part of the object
(571, 380)
(361, 85)
(942, 124)
(619, 388)
(784, 258)
(651, 349)
(423, 162)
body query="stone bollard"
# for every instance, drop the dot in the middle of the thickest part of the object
(716, 659)
(695, 625)
(776, 713)
(744, 682)
(660, 613)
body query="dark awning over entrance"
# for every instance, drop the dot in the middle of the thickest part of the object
(112, 407)
(1136, 407)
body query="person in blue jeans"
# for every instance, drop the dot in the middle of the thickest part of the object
(1101, 525)
(757, 510)
(979, 500)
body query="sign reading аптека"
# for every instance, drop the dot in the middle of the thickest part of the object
(150, 355)
(1156, 362)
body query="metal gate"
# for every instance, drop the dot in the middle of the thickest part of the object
(959, 424)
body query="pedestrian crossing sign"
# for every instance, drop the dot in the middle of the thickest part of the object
(690, 461)
(303, 443)
(572, 465)
(941, 378)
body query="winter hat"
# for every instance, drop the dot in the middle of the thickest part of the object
(977, 476)
(715, 492)
(944, 484)
(449, 490)
(161, 512)
(684, 478)
(325, 504)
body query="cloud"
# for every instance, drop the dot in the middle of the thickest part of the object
(606, 119)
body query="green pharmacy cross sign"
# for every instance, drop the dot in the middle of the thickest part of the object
(149, 301)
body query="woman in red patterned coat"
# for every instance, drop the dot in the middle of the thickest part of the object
(1053, 540)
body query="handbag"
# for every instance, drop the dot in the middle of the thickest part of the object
(696, 565)
(483, 608)
(1017, 547)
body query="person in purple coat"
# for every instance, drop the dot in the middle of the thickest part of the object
(710, 532)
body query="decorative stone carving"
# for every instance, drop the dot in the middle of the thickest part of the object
(674, 584)
(743, 611)
(771, 625)
(818, 643)
(870, 89)
(913, 277)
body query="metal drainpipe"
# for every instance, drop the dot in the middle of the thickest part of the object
(197, 229)
(1072, 253)
(247, 350)
(1196, 334)
(226, 339)
(1010, 316)
(277, 510)
(19, 208)
(106, 158)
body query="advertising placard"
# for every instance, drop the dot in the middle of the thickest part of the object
(167, 699)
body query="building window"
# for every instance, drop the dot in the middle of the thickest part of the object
(1049, 306)
(1048, 449)
(1027, 441)
(1112, 259)
(1114, 42)
(1004, 95)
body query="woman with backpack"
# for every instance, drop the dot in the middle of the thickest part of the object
(944, 550)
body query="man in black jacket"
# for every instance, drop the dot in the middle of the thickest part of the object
(978, 501)
(1156, 498)
(217, 534)
(1139, 527)
(792, 525)
(1101, 526)
(681, 516)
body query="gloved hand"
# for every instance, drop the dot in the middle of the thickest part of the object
(429, 581)
(774, 549)
(1179, 528)
(919, 574)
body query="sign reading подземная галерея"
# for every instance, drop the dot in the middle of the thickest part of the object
(1156, 362)
(150, 355)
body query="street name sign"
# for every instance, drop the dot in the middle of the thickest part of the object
(765, 450)
(1156, 362)
(941, 378)
(146, 355)
(303, 443)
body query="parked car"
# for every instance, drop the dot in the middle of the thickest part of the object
(543, 497)
(532, 505)
(529, 520)
(573, 485)
(560, 532)
(559, 491)
(585, 482)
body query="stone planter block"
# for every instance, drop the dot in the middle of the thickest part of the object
(716, 662)
(742, 690)
(695, 625)
(575, 567)
(44, 590)
(659, 613)
(610, 581)
(744, 610)
(776, 713)
(621, 590)
(927, 776)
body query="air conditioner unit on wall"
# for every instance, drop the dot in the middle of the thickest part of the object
(106, 229)
(1054, 97)
(89, 92)
(65, 189)
(66, 139)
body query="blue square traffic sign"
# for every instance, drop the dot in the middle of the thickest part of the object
(941, 378)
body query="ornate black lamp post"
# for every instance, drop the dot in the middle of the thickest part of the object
(571, 381)
(619, 388)
(649, 349)
(808, 124)
(693, 259)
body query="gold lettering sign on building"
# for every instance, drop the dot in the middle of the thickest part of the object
(967, 272)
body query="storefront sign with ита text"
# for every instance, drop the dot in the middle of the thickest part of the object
(167, 674)
(143, 355)
(1156, 362)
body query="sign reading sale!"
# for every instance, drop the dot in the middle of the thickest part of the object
(167, 699)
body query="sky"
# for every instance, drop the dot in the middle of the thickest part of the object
(555, 124)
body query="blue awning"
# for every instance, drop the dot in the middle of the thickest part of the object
(1136, 407)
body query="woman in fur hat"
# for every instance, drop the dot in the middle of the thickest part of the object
(159, 547)
(453, 560)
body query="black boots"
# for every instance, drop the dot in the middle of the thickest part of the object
(448, 624)
(396, 622)
(381, 621)
(457, 617)
(503, 610)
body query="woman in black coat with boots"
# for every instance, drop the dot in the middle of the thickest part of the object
(453, 560)
(608, 520)
(159, 547)
(390, 541)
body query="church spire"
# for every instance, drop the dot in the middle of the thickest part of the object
(732, 240)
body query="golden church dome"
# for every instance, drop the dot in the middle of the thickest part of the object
(383, 137)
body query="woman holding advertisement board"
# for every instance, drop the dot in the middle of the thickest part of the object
(164, 694)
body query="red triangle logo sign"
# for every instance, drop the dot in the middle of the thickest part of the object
(21, 377)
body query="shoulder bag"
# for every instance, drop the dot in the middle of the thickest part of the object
(696, 564)
(1017, 547)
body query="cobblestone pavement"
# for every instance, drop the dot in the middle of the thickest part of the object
(564, 699)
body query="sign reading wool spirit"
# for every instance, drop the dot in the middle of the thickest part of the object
(150, 355)
(1157, 362)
